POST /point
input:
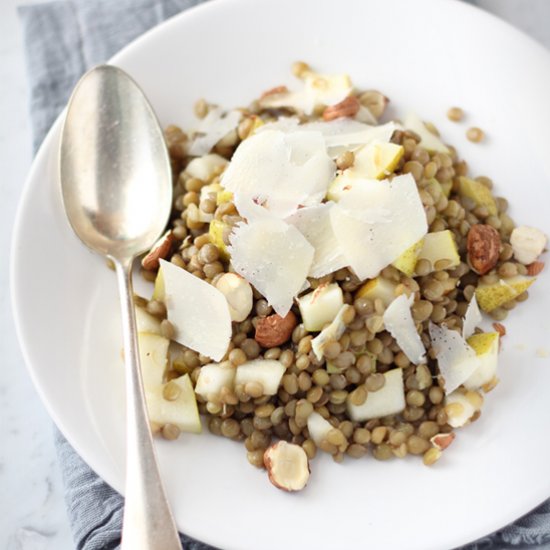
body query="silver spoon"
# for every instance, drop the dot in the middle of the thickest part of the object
(117, 191)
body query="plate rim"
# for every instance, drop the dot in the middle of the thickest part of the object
(46, 149)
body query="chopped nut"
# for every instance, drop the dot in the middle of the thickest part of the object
(274, 91)
(535, 268)
(500, 328)
(238, 293)
(483, 246)
(442, 441)
(346, 108)
(527, 244)
(160, 250)
(275, 330)
(431, 456)
(375, 102)
(287, 466)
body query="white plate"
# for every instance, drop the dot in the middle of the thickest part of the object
(425, 55)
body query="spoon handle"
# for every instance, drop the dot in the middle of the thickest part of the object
(148, 522)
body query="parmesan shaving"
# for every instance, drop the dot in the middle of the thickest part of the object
(211, 129)
(472, 318)
(198, 312)
(314, 224)
(428, 140)
(456, 359)
(318, 90)
(273, 173)
(399, 323)
(373, 238)
(274, 257)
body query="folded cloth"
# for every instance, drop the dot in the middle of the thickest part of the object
(63, 39)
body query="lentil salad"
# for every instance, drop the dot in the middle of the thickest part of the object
(323, 386)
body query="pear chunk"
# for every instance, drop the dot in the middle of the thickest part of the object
(181, 411)
(440, 246)
(153, 354)
(318, 427)
(266, 372)
(461, 407)
(145, 322)
(491, 296)
(378, 288)
(212, 378)
(480, 194)
(390, 399)
(330, 333)
(406, 262)
(321, 306)
(486, 347)
(376, 160)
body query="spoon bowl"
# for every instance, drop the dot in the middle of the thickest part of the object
(116, 185)
(115, 168)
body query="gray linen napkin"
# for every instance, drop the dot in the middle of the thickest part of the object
(63, 39)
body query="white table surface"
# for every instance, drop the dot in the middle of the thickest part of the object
(32, 510)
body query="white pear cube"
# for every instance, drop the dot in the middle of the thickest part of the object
(320, 306)
(212, 378)
(182, 411)
(486, 348)
(318, 428)
(440, 246)
(388, 400)
(153, 354)
(266, 372)
(461, 407)
(145, 322)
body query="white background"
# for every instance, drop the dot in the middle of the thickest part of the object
(32, 510)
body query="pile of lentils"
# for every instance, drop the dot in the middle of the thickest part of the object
(365, 351)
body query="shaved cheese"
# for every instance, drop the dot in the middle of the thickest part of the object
(318, 90)
(274, 257)
(472, 318)
(374, 237)
(274, 173)
(314, 224)
(428, 140)
(213, 127)
(198, 312)
(331, 333)
(455, 358)
(399, 323)
(364, 115)
(284, 124)
(347, 134)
